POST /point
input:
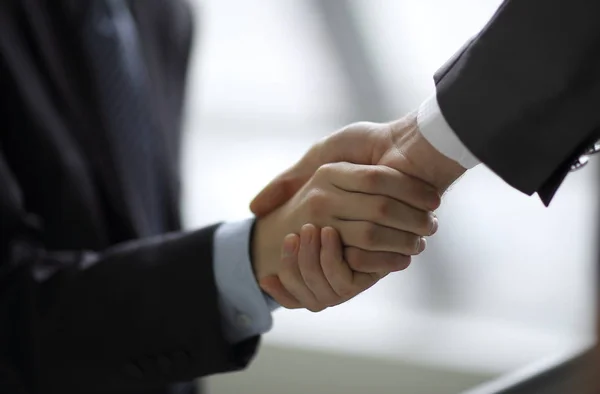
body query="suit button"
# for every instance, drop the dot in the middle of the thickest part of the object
(595, 148)
(580, 163)
(133, 370)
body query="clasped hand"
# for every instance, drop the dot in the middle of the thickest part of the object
(366, 219)
(373, 218)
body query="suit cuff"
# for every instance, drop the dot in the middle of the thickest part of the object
(434, 127)
(245, 309)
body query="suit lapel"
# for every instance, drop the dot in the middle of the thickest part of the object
(166, 66)
(59, 88)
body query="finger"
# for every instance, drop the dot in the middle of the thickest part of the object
(272, 284)
(376, 238)
(384, 211)
(383, 180)
(336, 270)
(285, 185)
(354, 143)
(309, 258)
(275, 289)
(366, 261)
(343, 280)
(291, 278)
(277, 192)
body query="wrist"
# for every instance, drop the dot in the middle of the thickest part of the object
(264, 252)
(423, 160)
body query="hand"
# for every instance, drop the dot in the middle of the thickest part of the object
(314, 274)
(364, 203)
(398, 144)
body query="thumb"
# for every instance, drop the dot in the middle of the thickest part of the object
(354, 143)
(283, 187)
(277, 193)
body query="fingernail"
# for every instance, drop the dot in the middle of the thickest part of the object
(307, 234)
(289, 245)
(422, 244)
(434, 226)
(327, 236)
(324, 237)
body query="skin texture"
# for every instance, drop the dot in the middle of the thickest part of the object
(314, 274)
(396, 145)
(364, 203)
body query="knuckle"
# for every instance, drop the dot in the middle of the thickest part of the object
(325, 170)
(317, 202)
(370, 234)
(358, 127)
(384, 208)
(371, 178)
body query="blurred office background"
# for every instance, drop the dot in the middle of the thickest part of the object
(505, 281)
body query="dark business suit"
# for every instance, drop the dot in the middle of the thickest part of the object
(89, 303)
(524, 97)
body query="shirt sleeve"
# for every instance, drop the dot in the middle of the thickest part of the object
(245, 309)
(434, 127)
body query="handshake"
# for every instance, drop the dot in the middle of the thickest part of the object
(355, 208)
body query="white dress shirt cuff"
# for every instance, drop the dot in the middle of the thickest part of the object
(245, 309)
(434, 127)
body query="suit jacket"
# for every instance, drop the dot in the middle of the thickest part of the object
(87, 304)
(524, 97)
(524, 94)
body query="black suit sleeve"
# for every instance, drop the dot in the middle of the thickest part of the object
(524, 95)
(126, 319)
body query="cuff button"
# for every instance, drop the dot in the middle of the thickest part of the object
(580, 163)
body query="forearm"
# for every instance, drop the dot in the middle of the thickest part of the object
(267, 239)
(137, 315)
(523, 95)
(245, 309)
